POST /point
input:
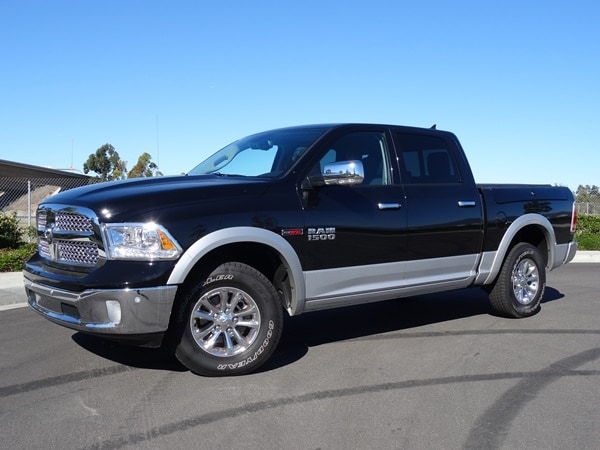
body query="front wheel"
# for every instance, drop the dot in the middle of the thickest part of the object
(519, 289)
(229, 323)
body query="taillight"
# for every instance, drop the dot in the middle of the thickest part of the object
(574, 218)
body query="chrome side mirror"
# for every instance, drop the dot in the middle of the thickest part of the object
(343, 172)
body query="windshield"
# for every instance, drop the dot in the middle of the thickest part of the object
(267, 154)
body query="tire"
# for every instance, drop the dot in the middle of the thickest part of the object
(520, 286)
(228, 324)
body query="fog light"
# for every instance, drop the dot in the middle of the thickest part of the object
(113, 308)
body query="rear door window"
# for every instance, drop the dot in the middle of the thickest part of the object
(426, 160)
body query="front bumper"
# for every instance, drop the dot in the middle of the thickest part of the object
(108, 312)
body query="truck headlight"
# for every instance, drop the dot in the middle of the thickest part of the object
(140, 241)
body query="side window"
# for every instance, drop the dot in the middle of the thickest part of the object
(368, 147)
(426, 160)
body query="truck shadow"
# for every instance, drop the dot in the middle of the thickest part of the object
(334, 325)
(354, 322)
(322, 327)
(128, 355)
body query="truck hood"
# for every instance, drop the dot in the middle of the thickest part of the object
(131, 198)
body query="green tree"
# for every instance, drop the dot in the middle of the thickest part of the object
(106, 163)
(587, 193)
(144, 167)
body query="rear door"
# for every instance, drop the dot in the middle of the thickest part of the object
(444, 211)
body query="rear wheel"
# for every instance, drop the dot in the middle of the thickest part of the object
(519, 289)
(229, 323)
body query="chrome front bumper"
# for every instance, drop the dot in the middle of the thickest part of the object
(105, 311)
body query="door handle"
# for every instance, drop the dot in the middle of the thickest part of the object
(389, 205)
(466, 203)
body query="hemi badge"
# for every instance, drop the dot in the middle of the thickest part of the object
(292, 232)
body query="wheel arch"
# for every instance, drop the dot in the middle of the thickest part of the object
(534, 229)
(260, 248)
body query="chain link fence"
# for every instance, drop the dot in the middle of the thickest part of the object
(21, 196)
(589, 208)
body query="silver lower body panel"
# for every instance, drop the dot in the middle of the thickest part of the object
(105, 311)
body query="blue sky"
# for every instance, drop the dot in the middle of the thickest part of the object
(517, 81)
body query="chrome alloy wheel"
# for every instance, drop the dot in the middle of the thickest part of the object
(225, 321)
(525, 281)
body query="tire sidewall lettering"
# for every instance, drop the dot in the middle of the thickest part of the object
(265, 343)
(213, 279)
(528, 254)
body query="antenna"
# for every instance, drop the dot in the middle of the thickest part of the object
(433, 126)
(157, 149)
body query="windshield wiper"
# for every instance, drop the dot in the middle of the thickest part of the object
(220, 174)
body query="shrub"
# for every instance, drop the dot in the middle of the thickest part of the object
(13, 252)
(588, 232)
(10, 231)
(588, 224)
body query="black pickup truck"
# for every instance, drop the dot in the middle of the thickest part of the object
(291, 220)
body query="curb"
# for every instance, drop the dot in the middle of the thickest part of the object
(583, 256)
(12, 290)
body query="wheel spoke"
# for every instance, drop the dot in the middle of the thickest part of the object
(522, 295)
(210, 343)
(223, 300)
(248, 323)
(246, 311)
(229, 345)
(205, 302)
(199, 314)
(530, 270)
(242, 342)
(200, 334)
(237, 298)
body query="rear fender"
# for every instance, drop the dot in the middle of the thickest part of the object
(491, 262)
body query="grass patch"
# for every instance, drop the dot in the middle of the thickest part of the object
(588, 242)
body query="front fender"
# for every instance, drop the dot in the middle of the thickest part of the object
(234, 235)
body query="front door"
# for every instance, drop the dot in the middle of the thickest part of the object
(355, 233)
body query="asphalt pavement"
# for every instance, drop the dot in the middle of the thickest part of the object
(438, 371)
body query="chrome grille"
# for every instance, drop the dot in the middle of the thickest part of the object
(84, 253)
(41, 219)
(44, 247)
(66, 235)
(72, 222)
